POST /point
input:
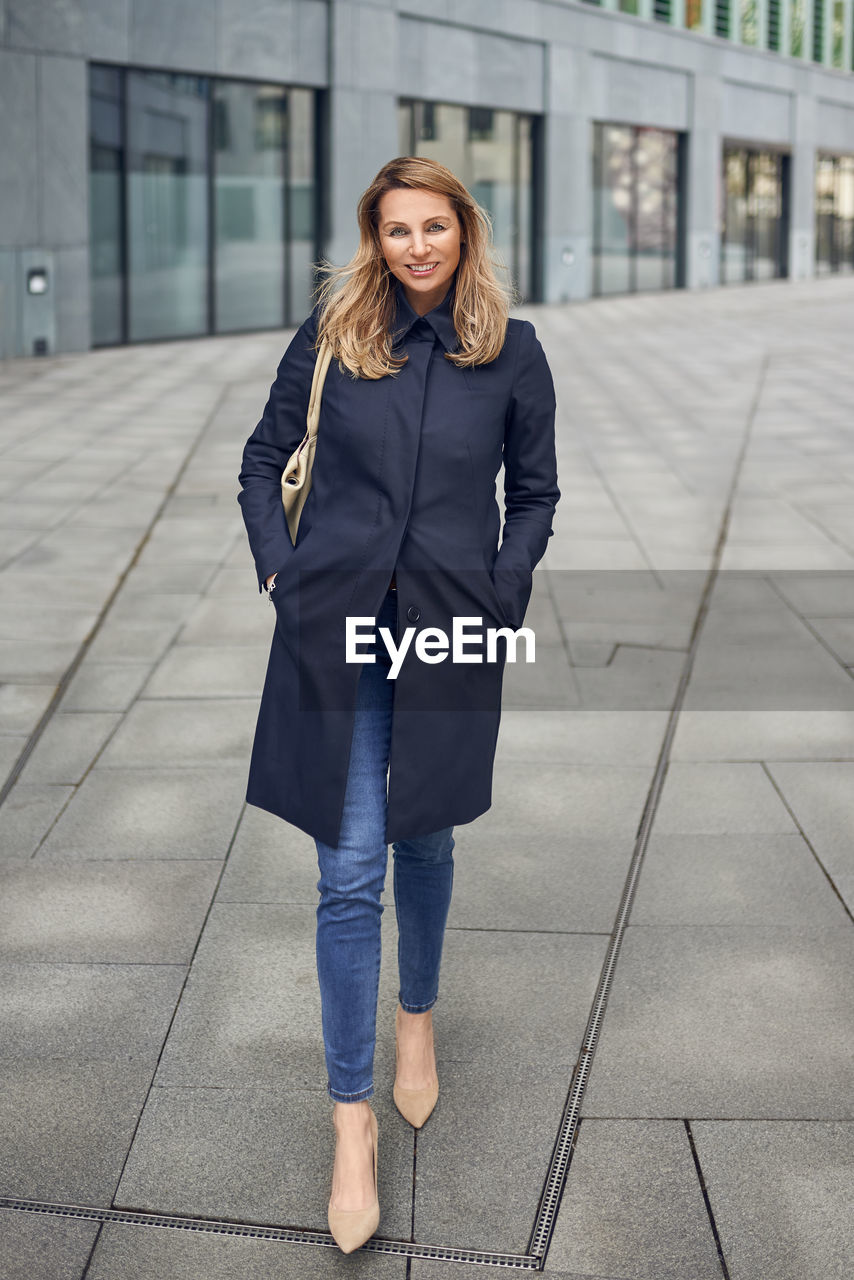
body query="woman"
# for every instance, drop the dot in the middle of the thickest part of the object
(430, 389)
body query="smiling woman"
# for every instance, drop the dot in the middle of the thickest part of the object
(431, 389)
(420, 237)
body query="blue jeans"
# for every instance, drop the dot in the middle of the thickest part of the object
(352, 879)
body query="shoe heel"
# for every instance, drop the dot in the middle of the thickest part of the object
(350, 1228)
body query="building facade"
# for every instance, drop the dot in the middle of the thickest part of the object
(171, 168)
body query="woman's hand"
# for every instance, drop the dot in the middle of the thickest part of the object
(272, 578)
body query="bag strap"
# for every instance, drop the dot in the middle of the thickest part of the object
(321, 368)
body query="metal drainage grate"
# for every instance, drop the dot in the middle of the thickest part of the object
(261, 1231)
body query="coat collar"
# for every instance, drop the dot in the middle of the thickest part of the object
(440, 319)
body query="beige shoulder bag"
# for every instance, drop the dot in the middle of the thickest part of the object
(296, 477)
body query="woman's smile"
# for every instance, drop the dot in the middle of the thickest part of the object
(421, 222)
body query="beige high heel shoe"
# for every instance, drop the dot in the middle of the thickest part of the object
(352, 1227)
(415, 1105)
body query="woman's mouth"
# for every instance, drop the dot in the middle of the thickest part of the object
(419, 269)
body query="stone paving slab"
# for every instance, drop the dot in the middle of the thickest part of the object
(633, 1206)
(36, 1247)
(152, 813)
(581, 736)
(270, 861)
(781, 1196)
(483, 1154)
(69, 746)
(145, 1253)
(733, 879)
(720, 799)
(27, 815)
(67, 1127)
(258, 1154)
(728, 1022)
(821, 796)
(104, 913)
(764, 735)
(202, 671)
(184, 732)
(731, 677)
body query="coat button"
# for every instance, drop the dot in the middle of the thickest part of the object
(413, 613)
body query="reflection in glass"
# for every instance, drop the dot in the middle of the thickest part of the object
(694, 14)
(834, 214)
(250, 131)
(302, 201)
(798, 26)
(837, 35)
(167, 205)
(491, 152)
(754, 217)
(749, 21)
(635, 208)
(106, 181)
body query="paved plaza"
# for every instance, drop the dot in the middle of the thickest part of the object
(645, 1031)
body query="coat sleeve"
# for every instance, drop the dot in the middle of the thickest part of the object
(530, 476)
(267, 450)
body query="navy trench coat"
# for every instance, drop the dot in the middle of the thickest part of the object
(403, 483)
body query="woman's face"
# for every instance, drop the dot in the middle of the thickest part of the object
(420, 239)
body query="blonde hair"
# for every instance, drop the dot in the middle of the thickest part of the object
(357, 300)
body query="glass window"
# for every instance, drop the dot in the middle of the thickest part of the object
(203, 204)
(749, 21)
(635, 208)
(753, 216)
(167, 205)
(106, 207)
(251, 126)
(798, 21)
(837, 37)
(694, 14)
(834, 214)
(492, 152)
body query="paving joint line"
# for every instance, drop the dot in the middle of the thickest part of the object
(86, 644)
(558, 1170)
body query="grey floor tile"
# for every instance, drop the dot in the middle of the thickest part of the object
(67, 1128)
(733, 677)
(781, 1196)
(202, 671)
(764, 735)
(226, 616)
(830, 595)
(35, 661)
(150, 813)
(105, 686)
(71, 1014)
(633, 1206)
(734, 879)
(548, 682)
(34, 1246)
(483, 1154)
(821, 796)
(258, 1154)
(134, 645)
(636, 678)
(581, 736)
(725, 1022)
(22, 705)
(720, 799)
(141, 1253)
(270, 861)
(518, 878)
(603, 801)
(116, 912)
(27, 815)
(68, 746)
(185, 732)
(838, 635)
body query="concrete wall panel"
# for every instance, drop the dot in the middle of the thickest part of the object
(633, 92)
(19, 156)
(469, 67)
(756, 114)
(93, 28)
(63, 152)
(834, 125)
(178, 35)
(283, 39)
